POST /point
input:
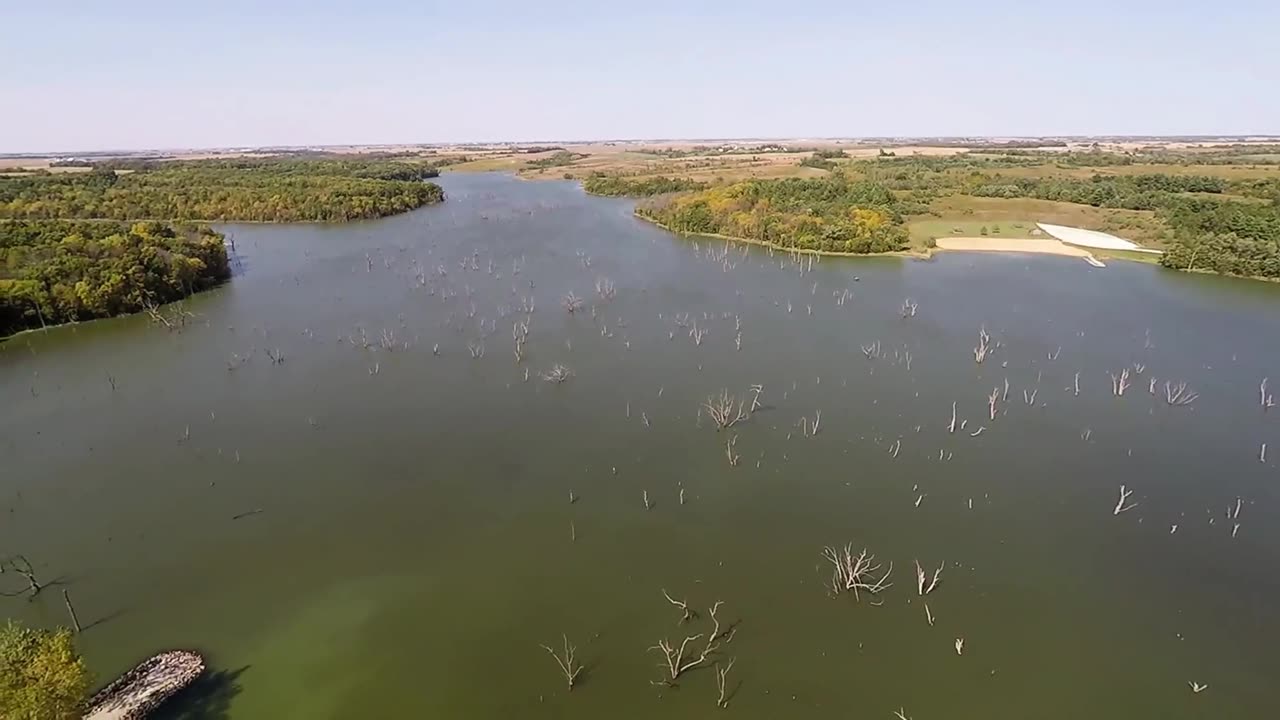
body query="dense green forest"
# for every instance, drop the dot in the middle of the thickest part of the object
(55, 271)
(248, 189)
(617, 186)
(831, 214)
(1130, 192)
(1234, 238)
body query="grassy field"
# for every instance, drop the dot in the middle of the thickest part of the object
(927, 229)
(1017, 218)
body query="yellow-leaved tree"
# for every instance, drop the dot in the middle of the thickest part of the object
(42, 677)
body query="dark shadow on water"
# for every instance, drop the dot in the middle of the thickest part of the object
(105, 619)
(208, 698)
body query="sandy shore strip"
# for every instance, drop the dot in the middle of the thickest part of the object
(1042, 246)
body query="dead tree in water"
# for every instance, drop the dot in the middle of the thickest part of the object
(1178, 395)
(1124, 497)
(923, 584)
(697, 334)
(1267, 400)
(605, 289)
(173, 319)
(567, 660)
(572, 303)
(675, 661)
(19, 565)
(909, 307)
(1120, 383)
(557, 374)
(855, 573)
(725, 410)
(722, 684)
(687, 614)
(984, 340)
(71, 610)
(806, 428)
(520, 333)
(991, 402)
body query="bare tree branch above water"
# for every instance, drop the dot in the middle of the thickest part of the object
(722, 683)
(605, 289)
(567, 661)
(1120, 383)
(983, 348)
(686, 613)
(21, 566)
(557, 374)
(923, 584)
(678, 660)
(856, 573)
(725, 410)
(1179, 395)
(572, 303)
(1124, 497)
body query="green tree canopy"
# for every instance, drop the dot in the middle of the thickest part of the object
(42, 677)
(58, 271)
(252, 189)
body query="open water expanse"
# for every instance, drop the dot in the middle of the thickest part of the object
(380, 525)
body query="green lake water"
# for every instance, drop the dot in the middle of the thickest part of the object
(416, 543)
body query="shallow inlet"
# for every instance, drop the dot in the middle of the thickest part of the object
(415, 543)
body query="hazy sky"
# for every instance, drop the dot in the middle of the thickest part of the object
(169, 73)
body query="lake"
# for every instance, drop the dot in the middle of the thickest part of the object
(388, 531)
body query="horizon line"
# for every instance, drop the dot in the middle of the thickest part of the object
(1194, 137)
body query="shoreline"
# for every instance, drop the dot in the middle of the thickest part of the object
(924, 254)
(916, 254)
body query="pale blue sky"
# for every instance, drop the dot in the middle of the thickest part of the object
(130, 74)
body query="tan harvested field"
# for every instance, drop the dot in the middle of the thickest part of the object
(12, 166)
(697, 167)
(1229, 172)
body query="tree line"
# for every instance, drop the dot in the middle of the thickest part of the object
(618, 186)
(243, 189)
(57, 271)
(1232, 238)
(1129, 192)
(556, 159)
(832, 214)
